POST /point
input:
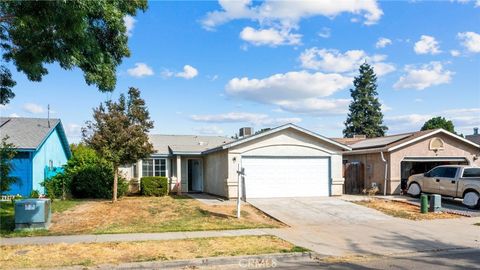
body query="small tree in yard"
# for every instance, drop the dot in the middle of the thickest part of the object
(365, 116)
(439, 122)
(7, 153)
(119, 132)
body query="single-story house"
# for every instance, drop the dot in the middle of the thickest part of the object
(392, 159)
(475, 137)
(287, 161)
(42, 149)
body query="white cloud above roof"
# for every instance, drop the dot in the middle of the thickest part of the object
(129, 22)
(33, 108)
(188, 73)
(383, 42)
(257, 119)
(424, 76)
(427, 45)
(270, 36)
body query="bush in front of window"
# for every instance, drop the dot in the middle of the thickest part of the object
(154, 185)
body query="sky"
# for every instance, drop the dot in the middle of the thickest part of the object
(212, 67)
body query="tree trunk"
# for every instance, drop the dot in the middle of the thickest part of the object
(115, 183)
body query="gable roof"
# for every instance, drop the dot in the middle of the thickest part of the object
(184, 144)
(393, 142)
(28, 134)
(274, 130)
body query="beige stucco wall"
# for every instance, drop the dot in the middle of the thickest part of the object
(288, 142)
(453, 148)
(215, 168)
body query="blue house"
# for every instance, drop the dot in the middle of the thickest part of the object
(42, 150)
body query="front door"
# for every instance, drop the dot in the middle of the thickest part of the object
(195, 175)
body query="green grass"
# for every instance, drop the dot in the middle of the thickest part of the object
(7, 217)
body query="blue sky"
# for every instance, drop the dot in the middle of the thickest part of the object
(212, 67)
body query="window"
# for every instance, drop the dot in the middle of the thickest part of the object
(471, 172)
(447, 172)
(154, 167)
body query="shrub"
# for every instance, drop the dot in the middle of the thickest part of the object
(86, 175)
(35, 194)
(154, 186)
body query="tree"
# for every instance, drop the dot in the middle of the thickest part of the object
(365, 116)
(119, 132)
(439, 122)
(90, 35)
(7, 153)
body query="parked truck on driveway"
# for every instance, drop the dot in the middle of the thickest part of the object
(456, 181)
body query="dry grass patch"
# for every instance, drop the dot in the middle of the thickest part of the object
(155, 214)
(58, 255)
(403, 210)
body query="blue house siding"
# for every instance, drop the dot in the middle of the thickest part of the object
(50, 150)
(22, 168)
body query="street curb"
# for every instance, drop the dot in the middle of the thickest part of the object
(246, 262)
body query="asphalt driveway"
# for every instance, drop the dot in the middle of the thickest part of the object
(317, 210)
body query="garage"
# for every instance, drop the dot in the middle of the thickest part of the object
(286, 161)
(273, 177)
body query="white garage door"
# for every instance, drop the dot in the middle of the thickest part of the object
(268, 177)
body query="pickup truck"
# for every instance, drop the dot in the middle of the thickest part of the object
(456, 181)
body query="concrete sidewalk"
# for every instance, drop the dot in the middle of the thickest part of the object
(128, 237)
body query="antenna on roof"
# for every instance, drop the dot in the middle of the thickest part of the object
(48, 115)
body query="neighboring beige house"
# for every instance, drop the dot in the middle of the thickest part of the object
(287, 161)
(403, 155)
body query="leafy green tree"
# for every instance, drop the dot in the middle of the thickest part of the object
(365, 116)
(119, 131)
(7, 153)
(439, 122)
(90, 35)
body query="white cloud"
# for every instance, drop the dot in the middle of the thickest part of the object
(33, 108)
(188, 72)
(383, 42)
(316, 106)
(470, 40)
(289, 13)
(424, 76)
(477, 3)
(129, 22)
(331, 60)
(426, 45)
(278, 18)
(209, 130)
(140, 70)
(325, 32)
(454, 53)
(417, 100)
(14, 115)
(287, 86)
(463, 119)
(243, 117)
(271, 37)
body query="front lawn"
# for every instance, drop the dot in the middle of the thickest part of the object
(403, 210)
(7, 219)
(149, 214)
(61, 255)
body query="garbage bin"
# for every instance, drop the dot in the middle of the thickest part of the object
(435, 203)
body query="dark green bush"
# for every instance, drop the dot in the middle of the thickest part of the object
(35, 194)
(86, 175)
(154, 186)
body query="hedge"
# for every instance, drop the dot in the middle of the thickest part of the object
(154, 185)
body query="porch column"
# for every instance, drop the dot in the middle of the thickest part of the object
(179, 171)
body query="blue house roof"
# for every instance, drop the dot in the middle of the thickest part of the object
(29, 134)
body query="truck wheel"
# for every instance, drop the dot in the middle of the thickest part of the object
(471, 199)
(414, 190)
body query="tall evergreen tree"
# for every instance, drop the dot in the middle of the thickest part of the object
(365, 116)
(119, 132)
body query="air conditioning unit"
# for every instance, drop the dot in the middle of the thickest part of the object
(245, 132)
(33, 214)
